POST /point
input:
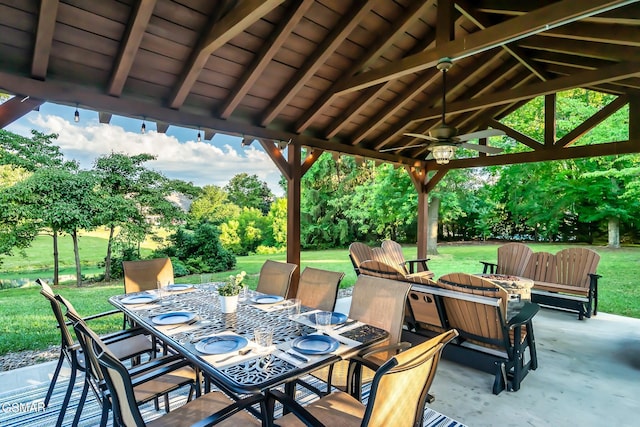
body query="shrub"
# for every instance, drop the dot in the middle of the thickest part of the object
(269, 250)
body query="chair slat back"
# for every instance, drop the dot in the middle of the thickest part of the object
(275, 278)
(381, 303)
(65, 334)
(410, 375)
(541, 267)
(573, 266)
(319, 288)
(513, 258)
(471, 317)
(380, 269)
(125, 407)
(394, 254)
(359, 252)
(144, 275)
(84, 339)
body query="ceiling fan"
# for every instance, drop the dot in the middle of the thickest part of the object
(445, 139)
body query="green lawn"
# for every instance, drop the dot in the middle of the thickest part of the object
(26, 321)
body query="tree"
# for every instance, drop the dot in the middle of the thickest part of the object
(213, 205)
(133, 197)
(247, 191)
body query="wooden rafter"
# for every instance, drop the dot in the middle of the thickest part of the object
(383, 43)
(130, 45)
(16, 107)
(268, 51)
(44, 38)
(465, 7)
(577, 47)
(518, 136)
(343, 28)
(586, 78)
(624, 35)
(522, 26)
(235, 22)
(592, 121)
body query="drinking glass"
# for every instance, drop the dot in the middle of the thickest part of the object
(323, 320)
(293, 307)
(263, 336)
(205, 282)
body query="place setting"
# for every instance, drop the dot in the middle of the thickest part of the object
(229, 348)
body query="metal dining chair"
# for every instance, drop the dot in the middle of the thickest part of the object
(319, 288)
(124, 345)
(275, 278)
(397, 397)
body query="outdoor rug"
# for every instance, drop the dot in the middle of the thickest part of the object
(25, 407)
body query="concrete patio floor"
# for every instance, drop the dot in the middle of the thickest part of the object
(588, 375)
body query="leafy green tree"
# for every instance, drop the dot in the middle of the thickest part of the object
(213, 205)
(247, 191)
(278, 219)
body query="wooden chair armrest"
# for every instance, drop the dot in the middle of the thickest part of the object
(228, 411)
(419, 261)
(489, 267)
(293, 406)
(525, 315)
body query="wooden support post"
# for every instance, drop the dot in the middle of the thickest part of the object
(550, 120)
(419, 178)
(634, 120)
(293, 212)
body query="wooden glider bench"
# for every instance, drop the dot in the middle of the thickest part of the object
(387, 262)
(566, 280)
(487, 340)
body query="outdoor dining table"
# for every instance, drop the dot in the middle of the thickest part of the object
(263, 367)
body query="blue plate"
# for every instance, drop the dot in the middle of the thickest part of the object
(266, 299)
(139, 299)
(336, 318)
(173, 318)
(178, 287)
(315, 344)
(221, 344)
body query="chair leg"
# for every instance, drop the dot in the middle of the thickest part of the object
(67, 396)
(54, 379)
(83, 398)
(531, 342)
(104, 417)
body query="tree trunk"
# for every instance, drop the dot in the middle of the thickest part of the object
(56, 267)
(432, 234)
(76, 253)
(107, 259)
(614, 233)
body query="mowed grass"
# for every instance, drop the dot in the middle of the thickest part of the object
(27, 323)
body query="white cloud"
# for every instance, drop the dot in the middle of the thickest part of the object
(202, 163)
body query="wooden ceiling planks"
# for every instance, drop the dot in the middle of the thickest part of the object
(345, 75)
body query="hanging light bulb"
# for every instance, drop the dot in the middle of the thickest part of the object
(199, 137)
(76, 115)
(143, 128)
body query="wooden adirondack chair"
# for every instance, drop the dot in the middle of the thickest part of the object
(513, 259)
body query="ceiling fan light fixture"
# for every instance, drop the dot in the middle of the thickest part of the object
(442, 153)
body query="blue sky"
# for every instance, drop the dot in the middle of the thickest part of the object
(178, 153)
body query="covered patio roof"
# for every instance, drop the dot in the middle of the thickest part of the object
(347, 76)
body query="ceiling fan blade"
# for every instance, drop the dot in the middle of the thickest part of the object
(421, 136)
(480, 134)
(481, 148)
(402, 148)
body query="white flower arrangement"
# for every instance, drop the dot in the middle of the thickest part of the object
(233, 285)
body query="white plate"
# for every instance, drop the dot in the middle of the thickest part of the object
(267, 299)
(178, 287)
(139, 299)
(173, 318)
(221, 344)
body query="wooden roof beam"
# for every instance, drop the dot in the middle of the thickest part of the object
(465, 7)
(554, 153)
(71, 94)
(582, 48)
(545, 18)
(47, 15)
(340, 32)
(481, 86)
(234, 23)
(586, 78)
(16, 107)
(381, 45)
(130, 44)
(266, 54)
(624, 35)
(592, 121)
